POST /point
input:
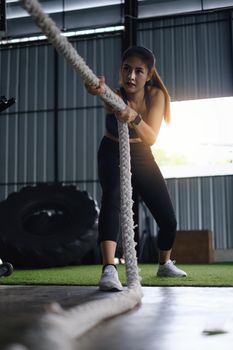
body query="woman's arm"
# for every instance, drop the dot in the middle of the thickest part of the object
(99, 90)
(147, 130)
(96, 90)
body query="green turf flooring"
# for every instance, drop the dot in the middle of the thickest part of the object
(217, 274)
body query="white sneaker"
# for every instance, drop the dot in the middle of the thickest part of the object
(170, 270)
(109, 280)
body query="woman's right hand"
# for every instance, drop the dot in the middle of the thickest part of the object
(97, 90)
(127, 115)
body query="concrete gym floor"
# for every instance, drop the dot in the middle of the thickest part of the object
(170, 318)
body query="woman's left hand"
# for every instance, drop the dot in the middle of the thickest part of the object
(127, 115)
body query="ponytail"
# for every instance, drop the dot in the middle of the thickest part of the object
(157, 82)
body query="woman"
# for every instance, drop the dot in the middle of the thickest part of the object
(148, 103)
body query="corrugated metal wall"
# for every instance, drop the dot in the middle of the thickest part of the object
(200, 203)
(205, 203)
(81, 116)
(27, 143)
(194, 53)
(187, 51)
(27, 132)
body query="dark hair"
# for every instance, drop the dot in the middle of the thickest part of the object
(145, 54)
(149, 58)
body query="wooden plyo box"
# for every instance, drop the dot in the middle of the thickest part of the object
(193, 246)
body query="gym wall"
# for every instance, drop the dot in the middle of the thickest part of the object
(53, 131)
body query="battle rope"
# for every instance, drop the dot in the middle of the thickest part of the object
(66, 325)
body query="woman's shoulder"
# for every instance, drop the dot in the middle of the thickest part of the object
(157, 97)
(155, 91)
(156, 94)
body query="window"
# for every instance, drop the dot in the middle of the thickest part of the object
(199, 139)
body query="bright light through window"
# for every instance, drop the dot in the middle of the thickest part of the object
(199, 139)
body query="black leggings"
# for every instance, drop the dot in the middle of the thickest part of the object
(149, 184)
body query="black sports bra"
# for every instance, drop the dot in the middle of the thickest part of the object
(111, 120)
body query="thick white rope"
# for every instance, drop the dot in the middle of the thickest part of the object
(74, 322)
(60, 329)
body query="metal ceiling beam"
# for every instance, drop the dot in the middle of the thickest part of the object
(130, 22)
(2, 17)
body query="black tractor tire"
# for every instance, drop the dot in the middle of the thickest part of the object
(6, 269)
(47, 225)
